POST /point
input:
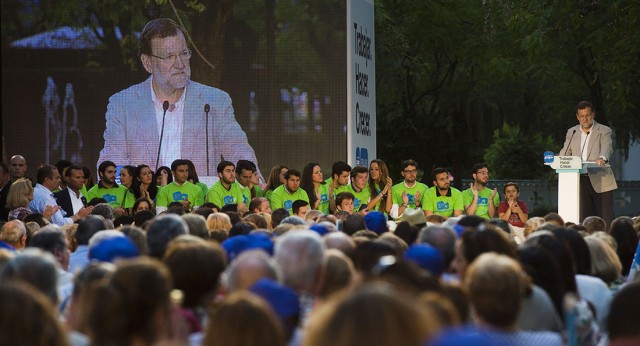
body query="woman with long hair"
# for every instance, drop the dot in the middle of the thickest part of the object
(313, 183)
(127, 174)
(145, 186)
(276, 178)
(380, 186)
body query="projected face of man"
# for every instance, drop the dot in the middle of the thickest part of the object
(170, 71)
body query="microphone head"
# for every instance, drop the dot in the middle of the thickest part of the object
(574, 131)
(165, 105)
(207, 108)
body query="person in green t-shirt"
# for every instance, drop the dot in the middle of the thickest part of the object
(116, 195)
(478, 199)
(285, 195)
(313, 184)
(226, 190)
(180, 190)
(359, 189)
(339, 182)
(442, 199)
(245, 171)
(409, 192)
(379, 185)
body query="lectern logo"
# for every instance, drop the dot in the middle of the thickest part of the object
(548, 156)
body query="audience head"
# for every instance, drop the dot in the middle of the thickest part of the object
(27, 317)
(37, 268)
(622, 326)
(162, 230)
(14, 233)
(496, 288)
(605, 263)
(265, 328)
(52, 240)
(442, 238)
(195, 268)
(249, 267)
(300, 254)
(134, 304)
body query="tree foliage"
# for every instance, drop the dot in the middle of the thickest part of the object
(515, 153)
(450, 74)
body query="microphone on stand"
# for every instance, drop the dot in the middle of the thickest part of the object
(569, 145)
(165, 107)
(585, 144)
(207, 108)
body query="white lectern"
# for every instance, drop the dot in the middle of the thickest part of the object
(569, 169)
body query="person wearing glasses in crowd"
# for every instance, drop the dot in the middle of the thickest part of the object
(478, 199)
(135, 116)
(408, 193)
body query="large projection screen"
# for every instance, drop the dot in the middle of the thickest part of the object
(287, 82)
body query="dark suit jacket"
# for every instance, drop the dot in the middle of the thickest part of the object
(64, 200)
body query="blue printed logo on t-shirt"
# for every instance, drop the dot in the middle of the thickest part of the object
(229, 200)
(442, 205)
(288, 204)
(356, 203)
(179, 196)
(411, 198)
(110, 198)
(245, 200)
(483, 201)
(324, 197)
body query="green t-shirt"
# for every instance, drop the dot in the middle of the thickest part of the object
(204, 188)
(246, 193)
(482, 208)
(442, 205)
(281, 198)
(259, 192)
(175, 193)
(220, 196)
(323, 206)
(117, 196)
(361, 197)
(397, 189)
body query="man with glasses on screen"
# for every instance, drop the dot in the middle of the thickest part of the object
(170, 106)
(409, 192)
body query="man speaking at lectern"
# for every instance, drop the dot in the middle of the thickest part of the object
(168, 116)
(592, 141)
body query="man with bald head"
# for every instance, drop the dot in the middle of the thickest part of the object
(17, 167)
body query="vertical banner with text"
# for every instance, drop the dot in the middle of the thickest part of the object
(361, 87)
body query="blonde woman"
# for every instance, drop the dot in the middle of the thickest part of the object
(219, 221)
(18, 198)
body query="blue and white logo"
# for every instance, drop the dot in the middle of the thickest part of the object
(288, 204)
(179, 196)
(362, 157)
(111, 199)
(483, 201)
(441, 205)
(229, 200)
(548, 157)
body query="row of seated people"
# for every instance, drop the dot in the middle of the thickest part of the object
(358, 189)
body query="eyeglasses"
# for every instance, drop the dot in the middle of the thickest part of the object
(411, 171)
(171, 59)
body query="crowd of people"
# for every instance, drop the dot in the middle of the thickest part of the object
(160, 258)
